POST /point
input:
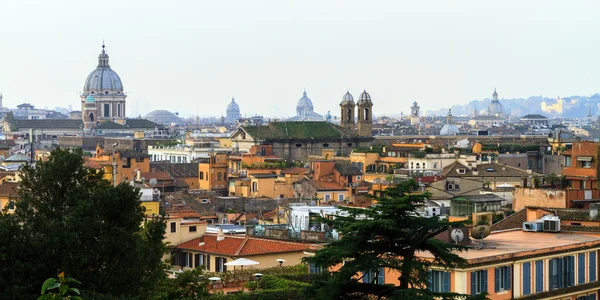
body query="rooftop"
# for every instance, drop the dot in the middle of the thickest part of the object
(241, 246)
(520, 244)
(298, 130)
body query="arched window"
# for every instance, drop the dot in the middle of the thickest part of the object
(91, 117)
(366, 114)
(349, 115)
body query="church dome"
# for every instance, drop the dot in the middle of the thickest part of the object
(103, 80)
(232, 106)
(163, 117)
(364, 96)
(304, 104)
(449, 129)
(348, 98)
(495, 108)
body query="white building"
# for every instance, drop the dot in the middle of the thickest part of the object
(181, 153)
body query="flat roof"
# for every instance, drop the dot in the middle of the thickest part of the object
(520, 244)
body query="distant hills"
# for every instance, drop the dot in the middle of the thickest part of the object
(572, 107)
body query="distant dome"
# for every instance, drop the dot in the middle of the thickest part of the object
(495, 108)
(90, 99)
(17, 158)
(305, 111)
(233, 111)
(162, 117)
(449, 129)
(304, 105)
(103, 80)
(348, 98)
(364, 97)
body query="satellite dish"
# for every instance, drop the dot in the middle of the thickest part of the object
(153, 182)
(480, 232)
(457, 235)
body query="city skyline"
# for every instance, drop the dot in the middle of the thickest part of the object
(193, 57)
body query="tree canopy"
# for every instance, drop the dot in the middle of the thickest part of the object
(68, 219)
(386, 235)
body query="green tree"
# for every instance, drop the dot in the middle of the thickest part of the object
(58, 288)
(388, 234)
(190, 284)
(69, 219)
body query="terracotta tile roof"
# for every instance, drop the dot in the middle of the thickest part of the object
(572, 214)
(294, 171)
(186, 214)
(241, 246)
(160, 176)
(430, 179)
(514, 221)
(8, 189)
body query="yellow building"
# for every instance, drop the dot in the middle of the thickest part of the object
(128, 163)
(8, 192)
(214, 251)
(212, 174)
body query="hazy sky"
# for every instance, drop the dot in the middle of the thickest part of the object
(193, 56)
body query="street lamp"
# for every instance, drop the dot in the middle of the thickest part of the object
(280, 261)
(258, 276)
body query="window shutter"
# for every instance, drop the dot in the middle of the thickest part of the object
(497, 279)
(381, 276)
(581, 268)
(446, 282)
(484, 288)
(473, 283)
(592, 297)
(592, 266)
(430, 281)
(539, 276)
(208, 263)
(526, 278)
(571, 270)
(224, 266)
(508, 272)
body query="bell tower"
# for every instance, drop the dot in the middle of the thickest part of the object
(347, 111)
(89, 114)
(415, 117)
(365, 115)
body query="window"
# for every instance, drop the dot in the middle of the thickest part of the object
(588, 297)
(539, 276)
(340, 197)
(219, 176)
(255, 187)
(220, 264)
(173, 227)
(586, 164)
(314, 269)
(374, 277)
(478, 282)
(502, 278)
(193, 228)
(119, 110)
(562, 272)
(11, 204)
(358, 178)
(107, 110)
(592, 264)
(204, 201)
(527, 278)
(187, 259)
(199, 260)
(581, 268)
(438, 281)
(568, 161)
(327, 197)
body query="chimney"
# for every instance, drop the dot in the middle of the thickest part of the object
(220, 235)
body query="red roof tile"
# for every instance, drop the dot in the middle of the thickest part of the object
(183, 214)
(241, 246)
(8, 189)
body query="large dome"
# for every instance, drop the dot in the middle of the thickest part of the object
(162, 117)
(233, 106)
(304, 104)
(103, 80)
(495, 108)
(233, 111)
(449, 129)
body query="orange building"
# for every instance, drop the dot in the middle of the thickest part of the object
(128, 163)
(581, 165)
(212, 173)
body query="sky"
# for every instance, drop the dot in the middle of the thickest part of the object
(192, 56)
